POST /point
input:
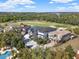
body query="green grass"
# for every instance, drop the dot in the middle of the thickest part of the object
(43, 23)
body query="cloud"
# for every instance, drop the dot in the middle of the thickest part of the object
(60, 9)
(11, 4)
(20, 1)
(69, 6)
(51, 2)
(73, 4)
(72, 8)
(61, 1)
(30, 6)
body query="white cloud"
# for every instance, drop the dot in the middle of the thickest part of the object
(60, 9)
(61, 1)
(11, 4)
(30, 6)
(69, 6)
(73, 4)
(20, 1)
(73, 8)
(51, 2)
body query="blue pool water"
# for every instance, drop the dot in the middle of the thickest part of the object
(4, 56)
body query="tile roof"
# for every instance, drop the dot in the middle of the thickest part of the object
(60, 32)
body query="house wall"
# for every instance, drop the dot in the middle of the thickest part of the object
(53, 37)
(59, 37)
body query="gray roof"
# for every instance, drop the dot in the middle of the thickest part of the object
(43, 29)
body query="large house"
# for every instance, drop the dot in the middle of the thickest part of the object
(36, 32)
(40, 32)
(60, 35)
(33, 32)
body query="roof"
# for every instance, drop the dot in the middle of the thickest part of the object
(60, 32)
(43, 29)
(1, 29)
(27, 36)
(25, 28)
(31, 43)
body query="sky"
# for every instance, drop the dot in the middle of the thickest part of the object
(39, 5)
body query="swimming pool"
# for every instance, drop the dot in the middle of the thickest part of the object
(4, 56)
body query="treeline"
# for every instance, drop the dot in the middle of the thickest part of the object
(67, 18)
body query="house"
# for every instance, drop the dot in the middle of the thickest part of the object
(24, 29)
(36, 32)
(60, 35)
(31, 44)
(28, 42)
(40, 32)
(1, 29)
(26, 38)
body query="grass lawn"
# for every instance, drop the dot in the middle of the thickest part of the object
(43, 23)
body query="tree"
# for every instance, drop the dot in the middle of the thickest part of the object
(48, 54)
(33, 54)
(40, 40)
(25, 53)
(76, 31)
(65, 55)
(59, 54)
(39, 54)
(12, 38)
(70, 51)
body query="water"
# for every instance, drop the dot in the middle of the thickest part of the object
(4, 56)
